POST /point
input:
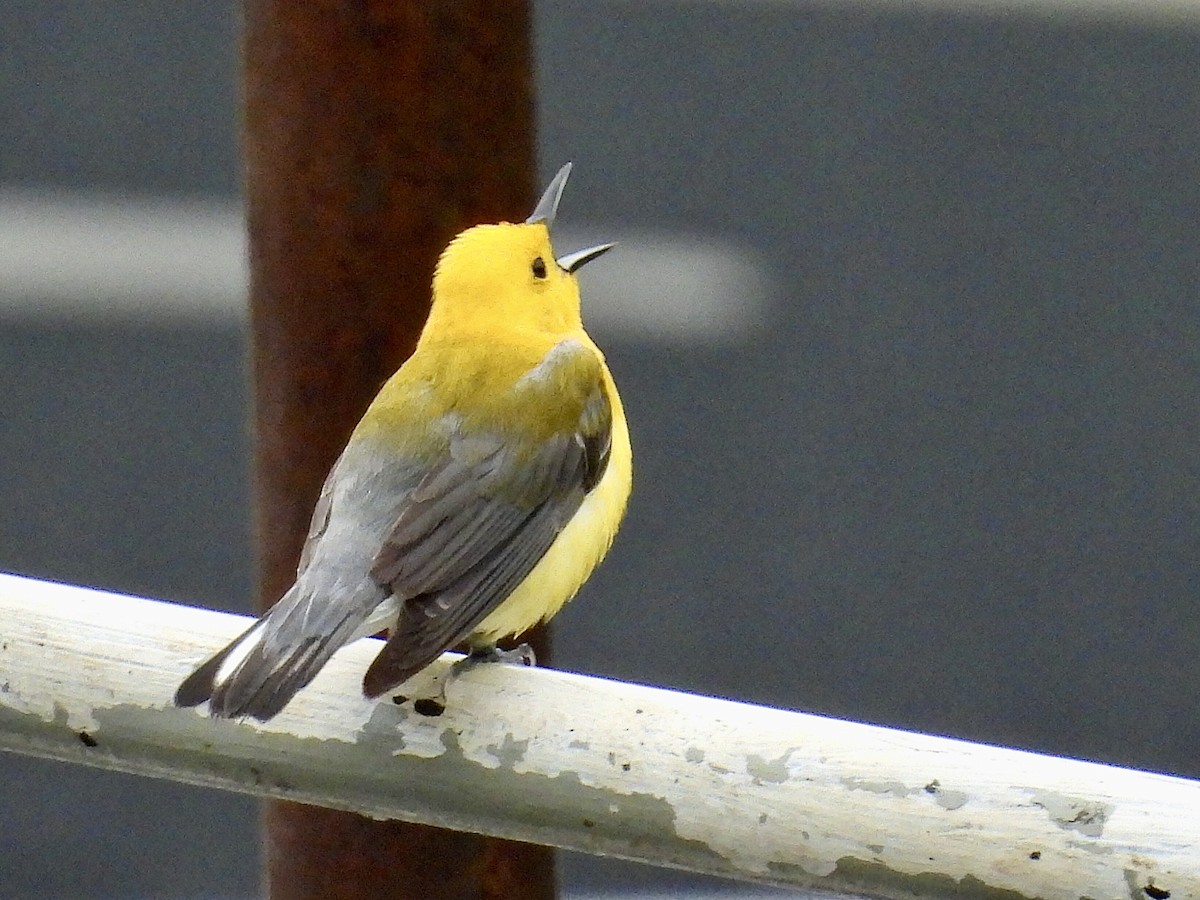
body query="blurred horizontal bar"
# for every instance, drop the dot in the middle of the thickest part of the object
(72, 257)
(1120, 12)
(603, 767)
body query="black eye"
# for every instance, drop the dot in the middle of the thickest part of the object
(539, 267)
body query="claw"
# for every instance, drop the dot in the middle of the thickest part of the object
(521, 655)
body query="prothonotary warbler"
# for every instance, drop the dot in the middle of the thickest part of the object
(481, 488)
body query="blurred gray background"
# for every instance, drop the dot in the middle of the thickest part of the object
(906, 325)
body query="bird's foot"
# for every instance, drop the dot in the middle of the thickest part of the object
(479, 656)
(522, 655)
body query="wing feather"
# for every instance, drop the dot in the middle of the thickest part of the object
(450, 542)
(474, 529)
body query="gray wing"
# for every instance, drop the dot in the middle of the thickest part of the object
(332, 600)
(473, 529)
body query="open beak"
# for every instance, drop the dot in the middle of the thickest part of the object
(547, 209)
(572, 262)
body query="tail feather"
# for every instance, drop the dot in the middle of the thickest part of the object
(258, 674)
(198, 686)
(261, 686)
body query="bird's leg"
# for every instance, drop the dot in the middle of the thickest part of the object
(486, 654)
(477, 655)
(489, 653)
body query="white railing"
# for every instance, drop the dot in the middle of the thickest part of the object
(599, 766)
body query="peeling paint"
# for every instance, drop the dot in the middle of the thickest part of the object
(893, 788)
(797, 874)
(385, 722)
(62, 716)
(694, 755)
(1131, 882)
(774, 771)
(946, 799)
(1073, 813)
(51, 730)
(510, 752)
(952, 800)
(421, 788)
(875, 878)
(1143, 887)
(450, 741)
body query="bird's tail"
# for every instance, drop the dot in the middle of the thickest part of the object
(260, 672)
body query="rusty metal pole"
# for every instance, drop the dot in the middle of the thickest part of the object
(373, 131)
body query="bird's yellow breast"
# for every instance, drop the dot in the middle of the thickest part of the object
(471, 376)
(501, 307)
(578, 548)
(477, 386)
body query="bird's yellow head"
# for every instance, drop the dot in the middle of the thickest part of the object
(502, 278)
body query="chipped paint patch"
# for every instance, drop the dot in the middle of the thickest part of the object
(791, 873)
(774, 771)
(510, 752)
(892, 788)
(1131, 883)
(875, 878)
(1073, 813)
(946, 799)
(952, 800)
(59, 721)
(1141, 887)
(77, 720)
(694, 755)
(426, 786)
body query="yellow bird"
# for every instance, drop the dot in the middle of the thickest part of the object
(481, 488)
